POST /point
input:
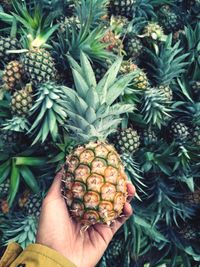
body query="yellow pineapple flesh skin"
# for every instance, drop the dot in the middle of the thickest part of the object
(94, 183)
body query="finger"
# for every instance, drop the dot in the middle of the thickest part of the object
(131, 191)
(55, 189)
(127, 212)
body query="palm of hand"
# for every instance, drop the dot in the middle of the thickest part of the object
(60, 232)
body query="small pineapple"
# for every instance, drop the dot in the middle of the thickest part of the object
(33, 205)
(196, 135)
(100, 70)
(22, 100)
(133, 46)
(179, 131)
(4, 188)
(39, 66)
(148, 137)
(8, 137)
(140, 80)
(69, 24)
(193, 197)
(153, 31)
(114, 252)
(114, 43)
(126, 141)
(6, 44)
(167, 91)
(168, 19)
(94, 180)
(190, 232)
(13, 74)
(122, 7)
(195, 87)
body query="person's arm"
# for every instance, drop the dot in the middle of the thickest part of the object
(34, 255)
(60, 240)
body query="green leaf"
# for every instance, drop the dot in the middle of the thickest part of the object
(29, 178)
(30, 161)
(14, 183)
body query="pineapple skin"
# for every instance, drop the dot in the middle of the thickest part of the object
(94, 183)
(39, 66)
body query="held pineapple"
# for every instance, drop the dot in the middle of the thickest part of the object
(13, 74)
(94, 180)
(22, 100)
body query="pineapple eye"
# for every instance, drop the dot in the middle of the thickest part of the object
(72, 163)
(111, 175)
(119, 202)
(78, 190)
(91, 199)
(82, 173)
(87, 156)
(113, 159)
(99, 165)
(108, 191)
(95, 182)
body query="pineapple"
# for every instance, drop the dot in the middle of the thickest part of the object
(6, 44)
(113, 42)
(4, 188)
(38, 63)
(122, 7)
(9, 137)
(167, 91)
(193, 197)
(126, 141)
(30, 203)
(168, 19)
(100, 70)
(179, 131)
(13, 74)
(196, 135)
(94, 180)
(114, 252)
(133, 46)
(140, 80)
(22, 100)
(148, 137)
(39, 66)
(153, 31)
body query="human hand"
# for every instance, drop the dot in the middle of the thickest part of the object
(60, 232)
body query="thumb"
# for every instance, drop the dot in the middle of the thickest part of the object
(55, 189)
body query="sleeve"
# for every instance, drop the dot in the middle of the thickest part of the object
(34, 255)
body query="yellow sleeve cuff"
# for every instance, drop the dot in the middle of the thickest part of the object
(34, 255)
(12, 252)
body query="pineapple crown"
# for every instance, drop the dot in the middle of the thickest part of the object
(36, 27)
(16, 124)
(92, 108)
(48, 111)
(167, 63)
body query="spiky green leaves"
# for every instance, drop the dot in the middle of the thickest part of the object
(168, 63)
(156, 110)
(92, 108)
(48, 111)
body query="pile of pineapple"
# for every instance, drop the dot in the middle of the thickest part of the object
(110, 90)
